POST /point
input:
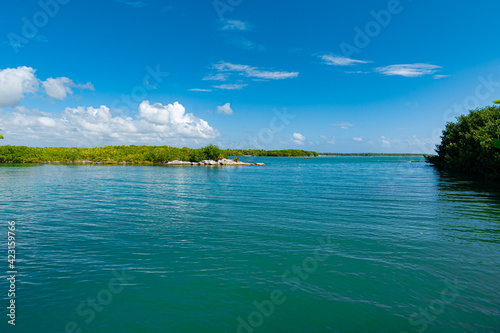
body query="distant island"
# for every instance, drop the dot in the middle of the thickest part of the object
(143, 155)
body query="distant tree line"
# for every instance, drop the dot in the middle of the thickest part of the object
(132, 154)
(109, 154)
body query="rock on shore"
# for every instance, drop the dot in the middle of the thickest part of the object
(223, 161)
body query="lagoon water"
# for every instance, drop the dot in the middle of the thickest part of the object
(329, 244)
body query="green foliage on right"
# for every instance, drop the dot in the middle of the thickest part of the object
(468, 146)
(497, 101)
(1, 136)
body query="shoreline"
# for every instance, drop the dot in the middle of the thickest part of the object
(222, 162)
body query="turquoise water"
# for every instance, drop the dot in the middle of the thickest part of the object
(331, 244)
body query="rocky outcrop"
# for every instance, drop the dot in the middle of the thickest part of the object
(220, 162)
(225, 161)
(176, 162)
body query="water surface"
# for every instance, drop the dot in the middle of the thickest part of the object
(349, 244)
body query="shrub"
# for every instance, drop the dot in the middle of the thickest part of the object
(467, 146)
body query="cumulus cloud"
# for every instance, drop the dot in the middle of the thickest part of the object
(225, 109)
(61, 87)
(408, 70)
(333, 60)
(234, 25)
(15, 83)
(153, 124)
(172, 120)
(298, 138)
(359, 139)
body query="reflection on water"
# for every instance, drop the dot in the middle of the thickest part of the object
(471, 208)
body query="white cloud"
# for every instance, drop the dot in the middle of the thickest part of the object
(60, 87)
(235, 86)
(385, 141)
(216, 77)
(357, 139)
(333, 60)
(47, 122)
(173, 120)
(154, 124)
(228, 67)
(234, 25)
(437, 77)
(357, 72)
(298, 138)
(268, 75)
(331, 141)
(15, 83)
(200, 90)
(344, 125)
(409, 70)
(225, 109)
(254, 72)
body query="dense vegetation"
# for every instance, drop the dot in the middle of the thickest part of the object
(470, 146)
(132, 154)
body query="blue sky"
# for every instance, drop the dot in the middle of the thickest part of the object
(329, 76)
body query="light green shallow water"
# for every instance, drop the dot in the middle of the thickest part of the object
(339, 244)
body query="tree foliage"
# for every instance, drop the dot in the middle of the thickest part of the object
(1, 136)
(130, 154)
(469, 145)
(108, 154)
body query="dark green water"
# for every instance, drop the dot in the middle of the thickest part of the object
(334, 244)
